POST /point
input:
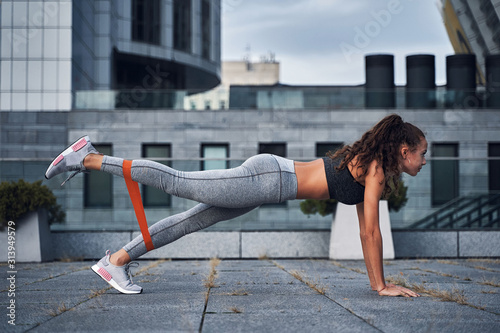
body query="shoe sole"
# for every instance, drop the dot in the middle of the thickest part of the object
(107, 277)
(74, 147)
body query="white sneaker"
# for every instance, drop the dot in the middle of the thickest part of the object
(71, 159)
(118, 277)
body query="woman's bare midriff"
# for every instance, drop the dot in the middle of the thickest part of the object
(311, 180)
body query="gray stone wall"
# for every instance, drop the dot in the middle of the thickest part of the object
(446, 244)
(286, 244)
(42, 135)
(32, 134)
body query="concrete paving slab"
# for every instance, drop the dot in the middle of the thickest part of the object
(272, 301)
(409, 314)
(254, 296)
(279, 322)
(482, 263)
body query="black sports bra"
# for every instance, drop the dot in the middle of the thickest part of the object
(341, 184)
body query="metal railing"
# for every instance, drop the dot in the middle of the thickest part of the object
(473, 206)
(471, 211)
(286, 97)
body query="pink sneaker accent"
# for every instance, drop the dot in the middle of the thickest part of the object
(104, 273)
(79, 145)
(58, 159)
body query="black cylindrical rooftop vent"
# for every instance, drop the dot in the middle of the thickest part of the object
(420, 81)
(493, 81)
(379, 86)
(461, 81)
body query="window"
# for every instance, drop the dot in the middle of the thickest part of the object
(215, 156)
(98, 186)
(182, 25)
(146, 21)
(494, 167)
(444, 179)
(151, 196)
(274, 148)
(278, 149)
(206, 32)
(322, 148)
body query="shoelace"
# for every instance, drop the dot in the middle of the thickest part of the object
(73, 175)
(127, 269)
(81, 168)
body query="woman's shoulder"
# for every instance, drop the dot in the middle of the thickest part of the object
(375, 174)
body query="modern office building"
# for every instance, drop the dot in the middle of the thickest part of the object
(121, 71)
(52, 51)
(266, 72)
(473, 27)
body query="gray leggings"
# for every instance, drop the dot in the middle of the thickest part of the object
(223, 194)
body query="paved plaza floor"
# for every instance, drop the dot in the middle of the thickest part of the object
(267, 295)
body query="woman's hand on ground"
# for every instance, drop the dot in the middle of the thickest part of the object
(393, 290)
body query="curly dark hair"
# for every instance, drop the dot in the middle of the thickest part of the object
(381, 143)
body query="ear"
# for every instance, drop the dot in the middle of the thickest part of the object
(404, 151)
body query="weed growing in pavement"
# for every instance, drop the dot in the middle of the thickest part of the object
(212, 275)
(455, 295)
(357, 270)
(492, 283)
(278, 265)
(239, 292)
(235, 310)
(353, 269)
(209, 283)
(149, 280)
(97, 293)
(447, 262)
(311, 284)
(71, 259)
(148, 267)
(488, 261)
(439, 273)
(60, 309)
(484, 268)
(488, 292)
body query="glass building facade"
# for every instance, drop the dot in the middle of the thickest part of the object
(53, 49)
(120, 70)
(36, 55)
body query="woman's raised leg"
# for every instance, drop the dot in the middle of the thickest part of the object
(176, 226)
(260, 179)
(114, 268)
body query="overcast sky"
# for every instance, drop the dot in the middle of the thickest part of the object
(321, 42)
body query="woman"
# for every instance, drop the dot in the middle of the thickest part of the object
(360, 174)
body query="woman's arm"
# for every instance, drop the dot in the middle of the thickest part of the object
(361, 217)
(371, 238)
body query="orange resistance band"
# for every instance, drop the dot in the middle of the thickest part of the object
(135, 197)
